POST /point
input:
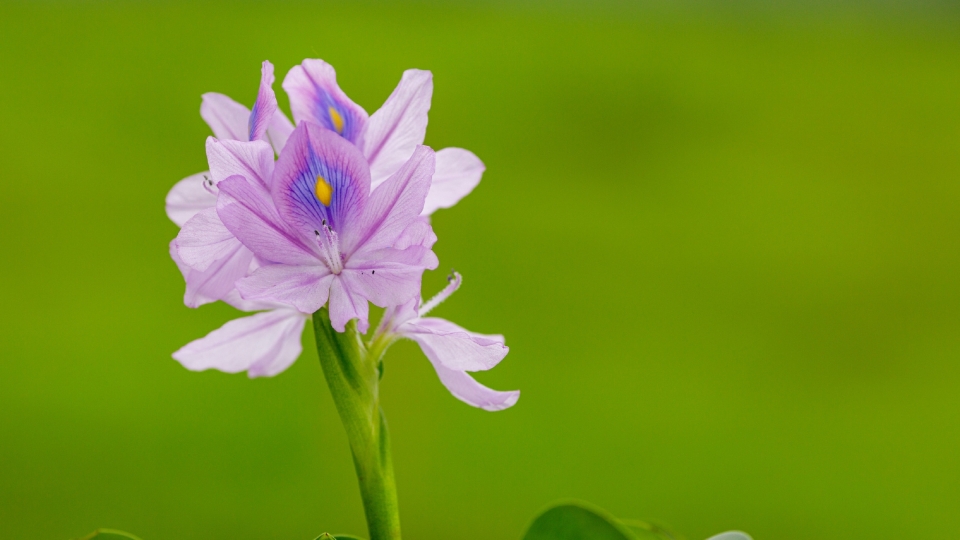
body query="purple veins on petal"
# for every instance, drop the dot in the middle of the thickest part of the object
(265, 106)
(320, 180)
(316, 97)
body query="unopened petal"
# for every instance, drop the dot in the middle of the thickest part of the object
(458, 172)
(226, 117)
(315, 97)
(189, 196)
(398, 127)
(265, 344)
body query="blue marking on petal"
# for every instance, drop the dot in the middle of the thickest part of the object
(347, 126)
(303, 191)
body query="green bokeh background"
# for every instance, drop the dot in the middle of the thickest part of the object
(722, 244)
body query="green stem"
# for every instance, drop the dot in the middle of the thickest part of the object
(353, 378)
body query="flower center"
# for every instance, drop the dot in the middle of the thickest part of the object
(329, 244)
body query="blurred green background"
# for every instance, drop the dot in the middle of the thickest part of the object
(722, 243)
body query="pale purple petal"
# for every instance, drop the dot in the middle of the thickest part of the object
(234, 299)
(303, 287)
(191, 298)
(290, 349)
(346, 304)
(226, 117)
(394, 316)
(393, 206)
(204, 239)
(265, 343)
(219, 280)
(252, 160)
(279, 131)
(265, 106)
(469, 391)
(418, 233)
(247, 210)
(317, 158)
(315, 97)
(458, 172)
(454, 347)
(388, 276)
(395, 130)
(188, 197)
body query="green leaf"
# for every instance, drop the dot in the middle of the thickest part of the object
(650, 531)
(579, 521)
(109, 534)
(328, 536)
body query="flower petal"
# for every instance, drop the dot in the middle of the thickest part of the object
(253, 160)
(399, 126)
(418, 233)
(226, 117)
(320, 179)
(388, 277)
(393, 206)
(265, 343)
(469, 391)
(265, 106)
(454, 347)
(248, 212)
(189, 196)
(279, 131)
(458, 172)
(346, 304)
(315, 97)
(303, 287)
(204, 239)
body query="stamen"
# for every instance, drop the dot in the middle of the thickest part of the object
(209, 185)
(329, 243)
(454, 279)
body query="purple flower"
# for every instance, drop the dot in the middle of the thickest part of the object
(453, 351)
(322, 232)
(212, 259)
(388, 138)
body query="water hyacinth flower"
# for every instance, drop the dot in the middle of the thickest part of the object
(325, 234)
(400, 123)
(453, 351)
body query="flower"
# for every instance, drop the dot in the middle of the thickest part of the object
(453, 351)
(326, 236)
(266, 343)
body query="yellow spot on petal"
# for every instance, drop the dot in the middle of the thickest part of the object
(323, 190)
(336, 119)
